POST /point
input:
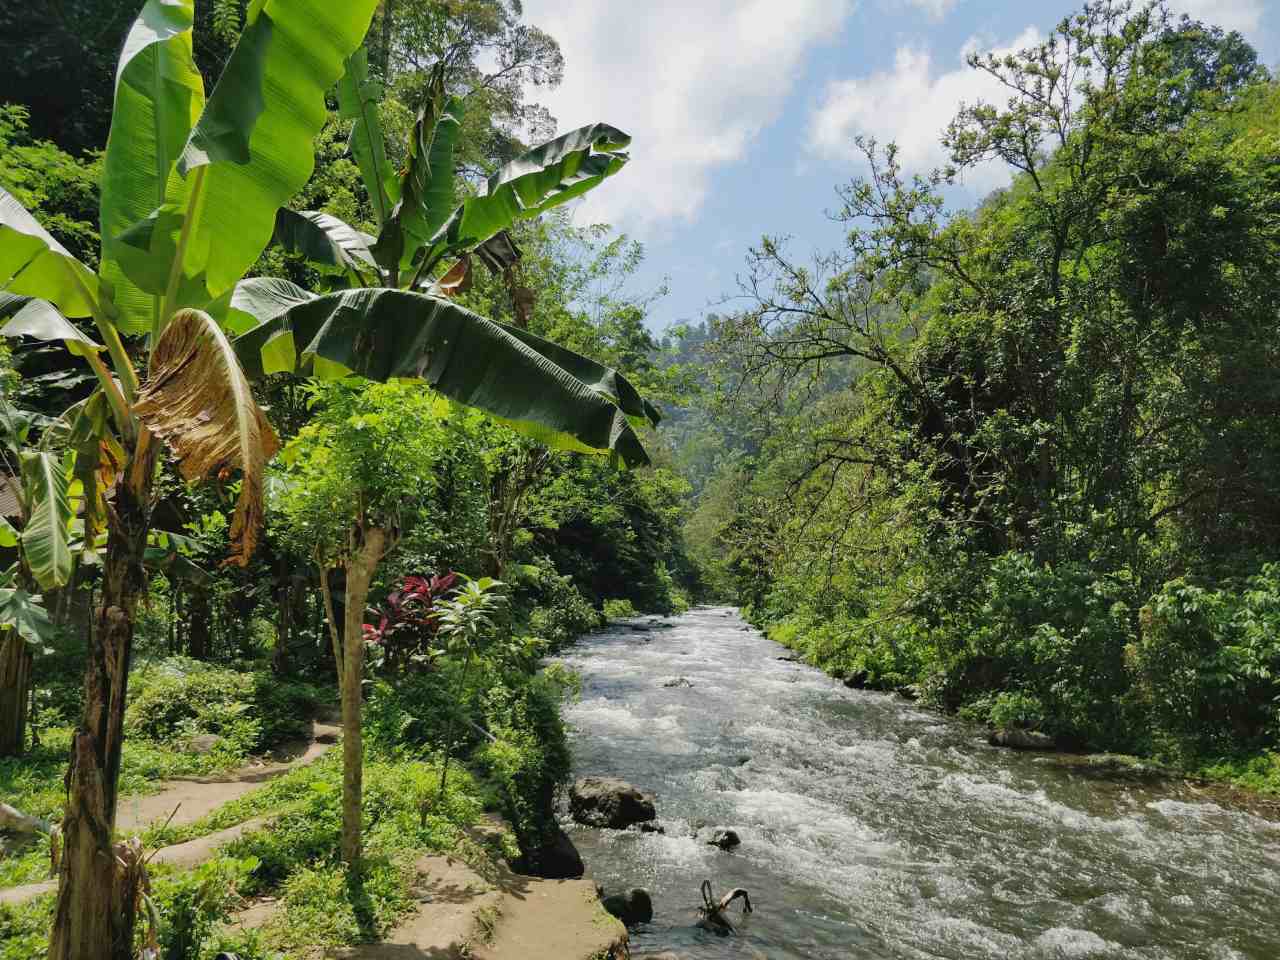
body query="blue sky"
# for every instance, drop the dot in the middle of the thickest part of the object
(743, 112)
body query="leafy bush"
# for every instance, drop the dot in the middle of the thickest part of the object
(175, 699)
(191, 902)
(529, 759)
(1208, 664)
(563, 614)
(619, 609)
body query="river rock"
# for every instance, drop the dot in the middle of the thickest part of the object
(725, 839)
(678, 682)
(556, 859)
(1022, 739)
(204, 743)
(631, 908)
(857, 681)
(609, 802)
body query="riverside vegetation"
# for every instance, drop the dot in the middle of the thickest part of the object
(1019, 460)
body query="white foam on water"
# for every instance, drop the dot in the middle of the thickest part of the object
(1068, 943)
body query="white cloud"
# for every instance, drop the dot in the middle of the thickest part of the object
(910, 105)
(693, 83)
(1242, 15)
(937, 9)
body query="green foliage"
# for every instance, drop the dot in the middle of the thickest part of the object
(191, 902)
(1024, 456)
(619, 609)
(562, 613)
(172, 700)
(530, 756)
(1208, 664)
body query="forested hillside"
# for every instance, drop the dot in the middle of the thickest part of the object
(1022, 459)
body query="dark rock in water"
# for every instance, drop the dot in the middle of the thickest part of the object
(648, 827)
(857, 681)
(1022, 739)
(910, 692)
(791, 658)
(725, 839)
(609, 802)
(631, 908)
(743, 760)
(204, 743)
(556, 859)
(678, 682)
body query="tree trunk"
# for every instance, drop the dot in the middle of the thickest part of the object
(96, 896)
(284, 627)
(15, 684)
(198, 646)
(360, 569)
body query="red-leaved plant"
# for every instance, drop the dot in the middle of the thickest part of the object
(406, 622)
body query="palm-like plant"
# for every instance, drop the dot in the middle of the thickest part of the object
(190, 193)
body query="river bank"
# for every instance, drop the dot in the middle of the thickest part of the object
(874, 828)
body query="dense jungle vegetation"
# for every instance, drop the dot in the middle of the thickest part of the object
(1021, 460)
(402, 550)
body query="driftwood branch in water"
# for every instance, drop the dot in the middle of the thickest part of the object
(711, 915)
(18, 822)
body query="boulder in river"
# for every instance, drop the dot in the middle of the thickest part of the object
(725, 839)
(678, 682)
(857, 681)
(556, 859)
(631, 908)
(1020, 739)
(609, 802)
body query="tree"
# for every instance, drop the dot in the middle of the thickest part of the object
(189, 199)
(393, 330)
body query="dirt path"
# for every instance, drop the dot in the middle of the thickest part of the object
(463, 916)
(191, 799)
(197, 797)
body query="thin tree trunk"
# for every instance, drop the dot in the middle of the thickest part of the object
(15, 684)
(284, 628)
(198, 618)
(360, 569)
(96, 898)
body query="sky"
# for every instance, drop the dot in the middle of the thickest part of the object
(743, 112)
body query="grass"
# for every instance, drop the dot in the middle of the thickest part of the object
(1259, 772)
(296, 860)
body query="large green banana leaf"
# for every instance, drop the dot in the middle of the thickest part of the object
(603, 379)
(358, 102)
(545, 177)
(325, 239)
(252, 147)
(384, 334)
(34, 264)
(427, 187)
(25, 613)
(46, 540)
(158, 98)
(29, 317)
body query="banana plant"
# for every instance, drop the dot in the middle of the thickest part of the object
(191, 188)
(390, 316)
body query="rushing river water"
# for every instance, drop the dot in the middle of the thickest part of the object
(872, 828)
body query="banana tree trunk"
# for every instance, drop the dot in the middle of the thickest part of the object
(96, 893)
(15, 685)
(360, 570)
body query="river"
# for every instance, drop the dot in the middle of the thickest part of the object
(874, 828)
